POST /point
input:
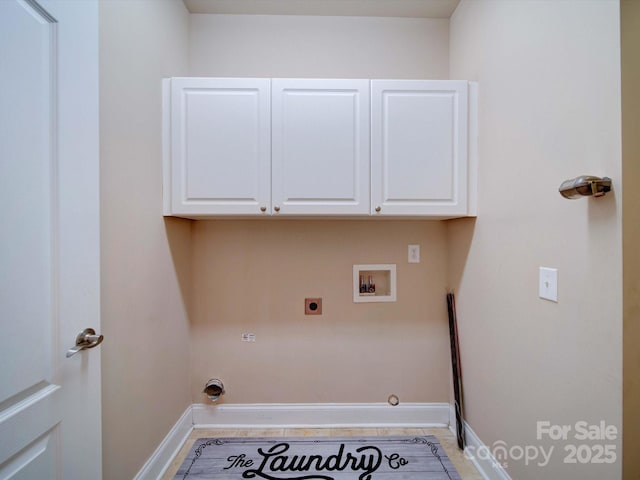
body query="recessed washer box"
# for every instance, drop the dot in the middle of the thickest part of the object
(383, 279)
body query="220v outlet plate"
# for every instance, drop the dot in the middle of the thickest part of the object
(313, 306)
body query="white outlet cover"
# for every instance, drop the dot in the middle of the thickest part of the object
(413, 254)
(548, 284)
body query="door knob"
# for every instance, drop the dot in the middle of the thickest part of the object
(87, 338)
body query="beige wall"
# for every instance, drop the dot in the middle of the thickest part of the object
(253, 276)
(549, 75)
(145, 261)
(320, 47)
(630, 35)
(549, 110)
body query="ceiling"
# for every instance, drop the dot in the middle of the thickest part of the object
(360, 8)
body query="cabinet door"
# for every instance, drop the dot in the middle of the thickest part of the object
(419, 147)
(320, 146)
(220, 146)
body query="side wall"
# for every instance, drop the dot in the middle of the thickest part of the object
(253, 276)
(145, 259)
(630, 46)
(549, 76)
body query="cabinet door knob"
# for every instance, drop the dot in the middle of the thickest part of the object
(276, 208)
(378, 208)
(263, 209)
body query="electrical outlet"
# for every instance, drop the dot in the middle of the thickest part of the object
(414, 254)
(313, 306)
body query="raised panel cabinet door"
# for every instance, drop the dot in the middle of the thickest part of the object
(419, 147)
(320, 162)
(220, 160)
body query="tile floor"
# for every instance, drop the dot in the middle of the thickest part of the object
(464, 467)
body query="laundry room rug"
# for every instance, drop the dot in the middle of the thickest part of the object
(373, 458)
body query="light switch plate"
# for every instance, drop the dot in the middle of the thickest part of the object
(413, 254)
(548, 284)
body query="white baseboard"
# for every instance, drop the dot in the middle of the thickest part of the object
(321, 415)
(478, 453)
(407, 415)
(158, 463)
(485, 462)
(335, 415)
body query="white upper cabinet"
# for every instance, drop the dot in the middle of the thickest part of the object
(419, 152)
(319, 147)
(220, 146)
(320, 156)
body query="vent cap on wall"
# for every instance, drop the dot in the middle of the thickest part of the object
(213, 389)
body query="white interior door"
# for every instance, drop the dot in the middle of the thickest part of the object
(49, 246)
